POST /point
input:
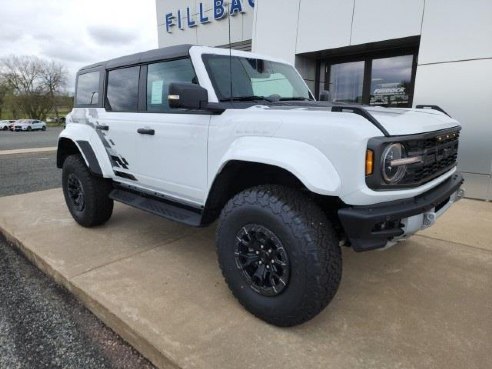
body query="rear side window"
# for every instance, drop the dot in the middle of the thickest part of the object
(122, 89)
(88, 89)
(160, 75)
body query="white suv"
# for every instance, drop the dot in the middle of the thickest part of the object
(196, 134)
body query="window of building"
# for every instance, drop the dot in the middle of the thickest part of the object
(160, 75)
(122, 89)
(346, 82)
(391, 80)
(88, 89)
(379, 79)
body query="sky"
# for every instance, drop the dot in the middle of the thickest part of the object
(77, 32)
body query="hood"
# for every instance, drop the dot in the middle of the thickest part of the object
(411, 121)
(396, 121)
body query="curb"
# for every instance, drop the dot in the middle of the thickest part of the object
(112, 321)
(27, 151)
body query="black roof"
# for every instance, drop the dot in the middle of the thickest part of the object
(170, 52)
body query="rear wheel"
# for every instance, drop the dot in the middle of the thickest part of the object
(29, 128)
(279, 254)
(43, 128)
(86, 195)
(5, 128)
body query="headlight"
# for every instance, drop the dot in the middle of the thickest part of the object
(393, 168)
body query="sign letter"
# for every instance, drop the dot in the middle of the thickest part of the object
(236, 7)
(219, 10)
(203, 18)
(191, 22)
(169, 22)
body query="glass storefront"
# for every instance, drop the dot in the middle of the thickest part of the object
(346, 82)
(380, 79)
(391, 81)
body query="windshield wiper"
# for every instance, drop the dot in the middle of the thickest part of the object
(295, 98)
(247, 98)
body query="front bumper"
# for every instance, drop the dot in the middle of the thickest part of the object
(376, 226)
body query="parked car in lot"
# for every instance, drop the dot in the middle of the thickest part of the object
(196, 134)
(5, 124)
(29, 125)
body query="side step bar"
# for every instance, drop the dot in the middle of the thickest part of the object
(161, 207)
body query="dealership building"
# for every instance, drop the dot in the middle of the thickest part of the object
(397, 53)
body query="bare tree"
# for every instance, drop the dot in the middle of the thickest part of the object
(54, 78)
(35, 83)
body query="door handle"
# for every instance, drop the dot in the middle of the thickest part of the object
(146, 131)
(102, 127)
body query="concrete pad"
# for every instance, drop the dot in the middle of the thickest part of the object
(423, 304)
(42, 221)
(468, 222)
(420, 305)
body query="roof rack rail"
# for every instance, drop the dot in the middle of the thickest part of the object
(359, 110)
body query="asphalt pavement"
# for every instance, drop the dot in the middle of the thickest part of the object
(28, 172)
(41, 324)
(27, 140)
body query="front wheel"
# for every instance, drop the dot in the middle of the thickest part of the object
(279, 254)
(86, 196)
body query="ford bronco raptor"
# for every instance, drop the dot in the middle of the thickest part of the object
(196, 134)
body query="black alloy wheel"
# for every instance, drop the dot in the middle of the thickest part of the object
(86, 195)
(76, 192)
(263, 260)
(279, 254)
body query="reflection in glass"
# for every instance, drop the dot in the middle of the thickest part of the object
(391, 79)
(346, 82)
(123, 89)
(160, 76)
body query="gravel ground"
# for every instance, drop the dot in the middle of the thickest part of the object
(28, 173)
(28, 140)
(43, 326)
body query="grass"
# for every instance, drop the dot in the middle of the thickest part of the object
(61, 112)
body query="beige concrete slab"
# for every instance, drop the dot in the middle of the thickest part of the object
(468, 222)
(41, 221)
(426, 303)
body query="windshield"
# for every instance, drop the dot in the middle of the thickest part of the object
(254, 79)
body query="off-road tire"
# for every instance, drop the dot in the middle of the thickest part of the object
(98, 207)
(310, 241)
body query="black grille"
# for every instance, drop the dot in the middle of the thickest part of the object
(439, 154)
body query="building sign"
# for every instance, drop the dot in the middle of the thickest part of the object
(189, 17)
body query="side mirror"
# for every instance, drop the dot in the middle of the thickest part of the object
(187, 96)
(325, 96)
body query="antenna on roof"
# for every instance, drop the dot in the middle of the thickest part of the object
(230, 47)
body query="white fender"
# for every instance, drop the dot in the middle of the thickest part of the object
(304, 161)
(77, 132)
